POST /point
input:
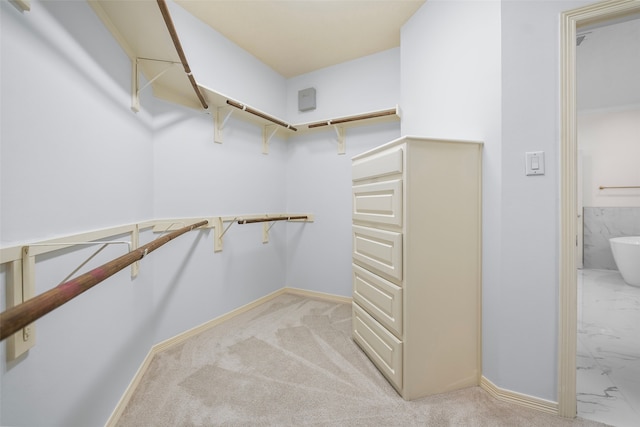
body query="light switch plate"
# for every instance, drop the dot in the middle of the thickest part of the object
(534, 163)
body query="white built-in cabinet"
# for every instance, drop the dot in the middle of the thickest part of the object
(416, 262)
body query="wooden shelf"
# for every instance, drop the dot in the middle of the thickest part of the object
(222, 106)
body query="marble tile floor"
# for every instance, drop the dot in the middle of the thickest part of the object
(608, 349)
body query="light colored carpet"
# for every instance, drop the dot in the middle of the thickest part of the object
(290, 362)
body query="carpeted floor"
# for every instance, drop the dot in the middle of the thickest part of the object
(291, 362)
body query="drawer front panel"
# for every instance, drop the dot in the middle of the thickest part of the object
(381, 346)
(380, 202)
(379, 297)
(386, 163)
(379, 250)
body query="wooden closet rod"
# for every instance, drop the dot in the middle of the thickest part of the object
(16, 318)
(260, 114)
(176, 42)
(353, 118)
(273, 218)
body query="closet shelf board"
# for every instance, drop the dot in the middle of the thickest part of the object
(141, 31)
(218, 100)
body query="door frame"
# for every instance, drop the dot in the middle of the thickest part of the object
(568, 316)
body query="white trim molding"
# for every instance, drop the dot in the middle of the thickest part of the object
(570, 21)
(518, 398)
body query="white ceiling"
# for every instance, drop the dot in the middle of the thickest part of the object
(299, 36)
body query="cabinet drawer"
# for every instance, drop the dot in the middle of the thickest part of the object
(379, 202)
(379, 250)
(385, 163)
(381, 346)
(379, 297)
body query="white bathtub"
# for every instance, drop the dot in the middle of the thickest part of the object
(626, 253)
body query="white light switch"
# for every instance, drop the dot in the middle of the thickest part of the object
(534, 162)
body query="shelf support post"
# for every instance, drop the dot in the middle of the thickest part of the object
(267, 133)
(135, 243)
(340, 134)
(266, 227)
(136, 89)
(135, 99)
(19, 290)
(219, 121)
(217, 234)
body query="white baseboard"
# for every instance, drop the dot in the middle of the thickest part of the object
(318, 295)
(518, 398)
(164, 345)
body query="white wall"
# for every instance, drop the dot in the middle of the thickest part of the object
(73, 158)
(104, 165)
(610, 147)
(451, 88)
(490, 71)
(530, 209)
(365, 84)
(59, 103)
(608, 64)
(195, 176)
(319, 180)
(219, 64)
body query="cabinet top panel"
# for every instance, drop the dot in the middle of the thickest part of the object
(414, 139)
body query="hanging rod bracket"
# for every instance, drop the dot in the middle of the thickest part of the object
(267, 220)
(21, 286)
(23, 340)
(220, 119)
(218, 233)
(268, 131)
(136, 89)
(340, 136)
(266, 227)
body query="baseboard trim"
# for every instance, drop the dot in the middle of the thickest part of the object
(318, 295)
(518, 398)
(180, 338)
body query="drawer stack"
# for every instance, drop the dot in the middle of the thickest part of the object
(415, 292)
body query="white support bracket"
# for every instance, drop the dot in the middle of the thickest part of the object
(266, 227)
(135, 244)
(21, 287)
(220, 119)
(136, 89)
(340, 135)
(218, 233)
(268, 131)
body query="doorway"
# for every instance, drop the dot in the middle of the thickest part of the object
(571, 21)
